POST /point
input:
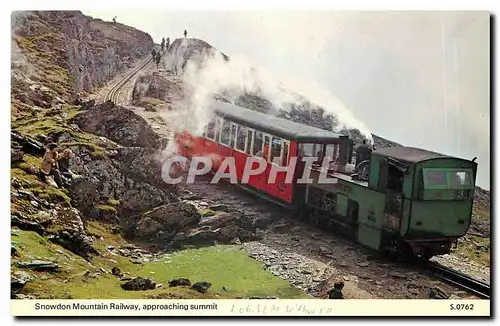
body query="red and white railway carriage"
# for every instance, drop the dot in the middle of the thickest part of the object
(240, 133)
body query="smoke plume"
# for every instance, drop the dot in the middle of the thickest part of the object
(206, 72)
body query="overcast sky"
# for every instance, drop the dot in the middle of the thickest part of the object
(420, 78)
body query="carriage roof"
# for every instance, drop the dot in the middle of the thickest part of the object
(409, 154)
(274, 125)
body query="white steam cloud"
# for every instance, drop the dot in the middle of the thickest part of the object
(207, 73)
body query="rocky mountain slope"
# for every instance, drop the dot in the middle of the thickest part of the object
(107, 234)
(57, 54)
(75, 241)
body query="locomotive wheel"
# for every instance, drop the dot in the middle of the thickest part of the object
(405, 253)
(399, 252)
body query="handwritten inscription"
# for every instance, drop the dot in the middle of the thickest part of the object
(301, 309)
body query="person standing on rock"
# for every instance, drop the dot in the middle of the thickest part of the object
(49, 165)
(162, 43)
(168, 43)
(185, 33)
(114, 19)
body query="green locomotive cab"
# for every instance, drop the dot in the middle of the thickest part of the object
(413, 202)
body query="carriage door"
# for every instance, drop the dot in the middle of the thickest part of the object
(391, 181)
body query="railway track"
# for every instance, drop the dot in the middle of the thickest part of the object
(114, 93)
(464, 281)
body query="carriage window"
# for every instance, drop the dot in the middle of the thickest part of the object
(310, 150)
(257, 144)
(241, 139)
(249, 141)
(265, 153)
(306, 149)
(332, 152)
(284, 159)
(218, 129)
(226, 132)
(233, 135)
(211, 130)
(436, 178)
(275, 149)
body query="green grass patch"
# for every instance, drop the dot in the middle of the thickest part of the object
(226, 266)
(113, 202)
(207, 212)
(106, 208)
(44, 126)
(221, 265)
(93, 148)
(38, 187)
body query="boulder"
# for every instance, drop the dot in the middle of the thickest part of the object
(179, 282)
(127, 177)
(218, 221)
(39, 265)
(201, 287)
(116, 272)
(19, 279)
(21, 221)
(199, 236)
(118, 124)
(262, 222)
(139, 284)
(70, 233)
(27, 144)
(171, 217)
(16, 155)
(229, 232)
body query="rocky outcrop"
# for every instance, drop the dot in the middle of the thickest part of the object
(139, 284)
(170, 219)
(130, 175)
(19, 279)
(39, 265)
(88, 51)
(156, 86)
(70, 233)
(193, 50)
(118, 124)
